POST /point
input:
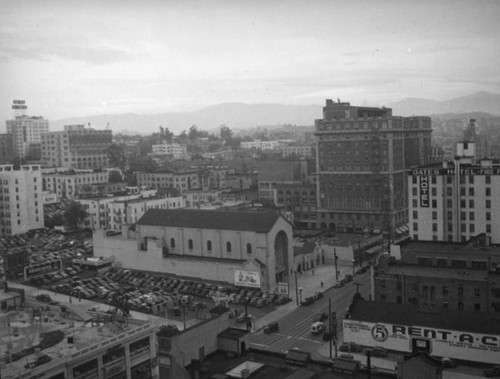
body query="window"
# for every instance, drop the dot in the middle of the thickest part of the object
(434, 191)
(434, 227)
(414, 286)
(471, 203)
(463, 216)
(449, 203)
(460, 306)
(457, 263)
(477, 292)
(209, 245)
(414, 203)
(415, 215)
(434, 203)
(449, 180)
(460, 291)
(433, 292)
(382, 283)
(445, 291)
(415, 226)
(190, 244)
(471, 191)
(462, 191)
(488, 191)
(414, 191)
(441, 262)
(488, 204)
(471, 216)
(228, 247)
(249, 248)
(172, 243)
(445, 304)
(477, 307)
(488, 216)
(434, 215)
(488, 228)
(471, 179)
(472, 228)
(449, 215)
(450, 227)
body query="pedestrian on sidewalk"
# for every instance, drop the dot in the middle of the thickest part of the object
(321, 284)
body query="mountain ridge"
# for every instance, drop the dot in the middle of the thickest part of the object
(238, 115)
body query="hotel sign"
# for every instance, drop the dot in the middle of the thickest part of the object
(424, 192)
(42, 268)
(451, 171)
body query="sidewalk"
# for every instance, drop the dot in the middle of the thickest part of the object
(310, 283)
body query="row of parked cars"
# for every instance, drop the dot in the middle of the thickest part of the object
(53, 277)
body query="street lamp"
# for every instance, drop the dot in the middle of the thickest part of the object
(336, 268)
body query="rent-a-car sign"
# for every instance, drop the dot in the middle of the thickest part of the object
(440, 342)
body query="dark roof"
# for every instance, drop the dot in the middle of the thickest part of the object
(407, 314)
(423, 357)
(210, 219)
(233, 333)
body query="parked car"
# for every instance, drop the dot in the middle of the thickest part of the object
(448, 362)
(272, 327)
(350, 347)
(379, 352)
(42, 359)
(307, 301)
(318, 295)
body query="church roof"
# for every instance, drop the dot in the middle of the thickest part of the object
(210, 219)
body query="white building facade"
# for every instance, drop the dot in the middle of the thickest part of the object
(456, 200)
(177, 151)
(65, 184)
(21, 199)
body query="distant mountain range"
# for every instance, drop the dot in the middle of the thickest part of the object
(243, 116)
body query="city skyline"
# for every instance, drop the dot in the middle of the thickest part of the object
(70, 59)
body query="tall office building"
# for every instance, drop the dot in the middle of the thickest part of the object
(26, 131)
(455, 201)
(21, 203)
(76, 147)
(362, 154)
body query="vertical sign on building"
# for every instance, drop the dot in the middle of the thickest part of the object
(424, 192)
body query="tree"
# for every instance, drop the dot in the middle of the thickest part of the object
(193, 133)
(116, 156)
(74, 214)
(115, 177)
(226, 134)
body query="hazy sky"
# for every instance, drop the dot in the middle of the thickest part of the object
(76, 58)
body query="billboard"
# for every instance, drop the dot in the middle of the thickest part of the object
(283, 288)
(434, 341)
(42, 268)
(247, 278)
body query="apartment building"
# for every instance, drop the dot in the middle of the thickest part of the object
(21, 200)
(67, 184)
(177, 151)
(362, 154)
(454, 201)
(128, 212)
(184, 180)
(76, 147)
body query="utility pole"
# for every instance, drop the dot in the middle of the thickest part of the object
(336, 268)
(296, 288)
(330, 325)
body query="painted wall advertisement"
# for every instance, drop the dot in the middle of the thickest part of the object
(247, 278)
(42, 268)
(439, 342)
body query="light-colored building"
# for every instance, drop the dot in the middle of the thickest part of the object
(197, 198)
(128, 212)
(25, 130)
(66, 184)
(260, 145)
(21, 199)
(76, 147)
(299, 150)
(98, 214)
(455, 201)
(177, 151)
(183, 181)
(248, 249)
(214, 177)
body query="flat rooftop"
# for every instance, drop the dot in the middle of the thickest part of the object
(447, 247)
(433, 272)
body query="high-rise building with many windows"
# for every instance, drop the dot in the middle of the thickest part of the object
(21, 204)
(455, 201)
(362, 154)
(26, 131)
